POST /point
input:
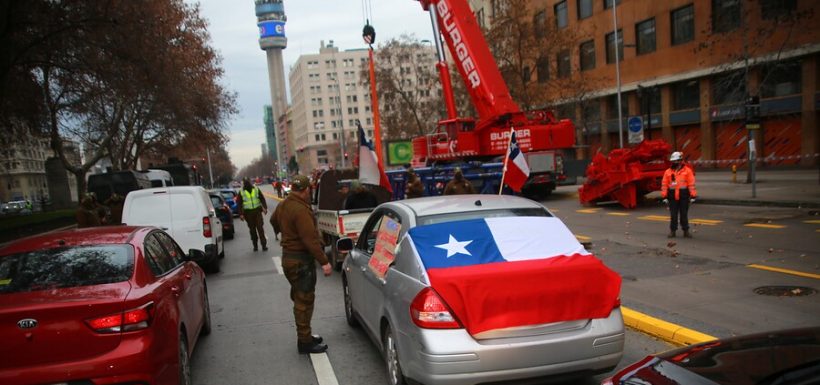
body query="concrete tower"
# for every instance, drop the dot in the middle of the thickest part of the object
(270, 15)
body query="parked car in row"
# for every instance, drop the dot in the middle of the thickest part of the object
(475, 289)
(778, 357)
(223, 211)
(102, 305)
(185, 212)
(230, 196)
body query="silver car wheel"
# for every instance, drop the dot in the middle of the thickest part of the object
(394, 373)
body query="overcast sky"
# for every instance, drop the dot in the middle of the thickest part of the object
(234, 34)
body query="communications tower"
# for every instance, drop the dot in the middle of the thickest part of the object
(270, 16)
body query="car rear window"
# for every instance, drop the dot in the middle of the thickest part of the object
(227, 195)
(450, 217)
(216, 201)
(65, 267)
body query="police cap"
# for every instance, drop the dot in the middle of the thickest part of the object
(299, 183)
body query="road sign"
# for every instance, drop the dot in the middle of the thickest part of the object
(399, 153)
(635, 124)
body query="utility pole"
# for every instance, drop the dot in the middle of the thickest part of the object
(210, 170)
(618, 73)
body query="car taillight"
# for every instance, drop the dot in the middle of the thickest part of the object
(429, 311)
(206, 227)
(129, 320)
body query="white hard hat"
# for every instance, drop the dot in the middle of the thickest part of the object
(676, 156)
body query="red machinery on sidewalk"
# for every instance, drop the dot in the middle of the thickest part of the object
(627, 174)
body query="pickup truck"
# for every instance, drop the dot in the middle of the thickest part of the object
(333, 221)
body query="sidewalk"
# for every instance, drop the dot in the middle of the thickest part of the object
(777, 188)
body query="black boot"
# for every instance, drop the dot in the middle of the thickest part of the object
(255, 248)
(317, 339)
(264, 247)
(686, 234)
(671, 234)
(311, 347)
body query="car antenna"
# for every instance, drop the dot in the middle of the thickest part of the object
(478, 202)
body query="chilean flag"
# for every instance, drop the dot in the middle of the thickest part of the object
(504, 272)
(516, 170)
(370, 170)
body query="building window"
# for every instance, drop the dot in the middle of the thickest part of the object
(645, 33)
(316, 137)
(781, 79)
(612, 106)
(539, 23)
(584, 9)
(542, 69)
(649, 98)
(725, 15)
(610, 46)
(563, 64)
(774, 9)
(323, 137)
(591, 111)
(683, 24)
(608, 3)
(561, 19)
(587, 55)
(728, 88)
(685, 95)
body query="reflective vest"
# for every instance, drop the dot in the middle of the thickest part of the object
(250, 200)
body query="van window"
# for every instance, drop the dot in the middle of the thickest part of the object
(148, 210)
(184, 207)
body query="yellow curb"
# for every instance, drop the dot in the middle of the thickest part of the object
(582, 237)
(784, 271)
(764, 226)
(618, 214)
(587, 211)
(272, 196)
(666, 331)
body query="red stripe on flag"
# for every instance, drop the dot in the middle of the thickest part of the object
(509, 294)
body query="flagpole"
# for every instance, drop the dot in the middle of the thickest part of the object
(506, 159)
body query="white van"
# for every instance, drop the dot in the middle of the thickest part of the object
(159, 178)
(185, 212)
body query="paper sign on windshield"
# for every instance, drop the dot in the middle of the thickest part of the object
(383, 254)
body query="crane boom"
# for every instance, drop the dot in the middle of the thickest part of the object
(473, 58)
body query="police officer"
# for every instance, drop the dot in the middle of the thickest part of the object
(677, 189)
(252, 208)
(301, 249)
(87, 215)
(414, 189)
(459, 185)
(360, 198)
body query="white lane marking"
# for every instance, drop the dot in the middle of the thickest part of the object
(324, 372)
(277, 264)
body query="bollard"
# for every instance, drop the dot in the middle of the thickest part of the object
(734, 173)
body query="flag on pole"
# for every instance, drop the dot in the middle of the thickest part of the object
(516, 170)
(371, 170)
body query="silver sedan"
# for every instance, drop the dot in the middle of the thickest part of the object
(419, 337)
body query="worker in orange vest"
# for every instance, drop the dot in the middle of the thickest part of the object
(678, 190)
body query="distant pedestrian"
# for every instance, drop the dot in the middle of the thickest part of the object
(458, 185)
(414, 188)
(278, 187)
(343, 191)
(87, 215)
(301, 249)
(252, 208)
(360, 197)
(678, 190)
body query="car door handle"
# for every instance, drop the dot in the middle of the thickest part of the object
(175, 290)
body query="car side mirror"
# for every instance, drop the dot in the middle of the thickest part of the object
(195, 255)
(344, 245)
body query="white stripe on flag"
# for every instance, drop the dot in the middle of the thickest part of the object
(527, 238)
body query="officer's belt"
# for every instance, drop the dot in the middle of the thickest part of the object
(304, 257)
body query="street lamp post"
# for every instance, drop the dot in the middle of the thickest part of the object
(618, 73)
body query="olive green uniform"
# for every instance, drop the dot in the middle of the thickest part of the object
(458, 187)
(415, 188)
(301, 249)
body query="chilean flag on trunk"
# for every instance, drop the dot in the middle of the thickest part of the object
(516, 170)
(370, 169)
(504, 272)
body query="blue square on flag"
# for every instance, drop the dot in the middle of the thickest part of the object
(452, 244)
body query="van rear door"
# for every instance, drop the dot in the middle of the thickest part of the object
(187, 212)
(149, 209)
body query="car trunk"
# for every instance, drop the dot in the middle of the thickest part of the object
(61, 333)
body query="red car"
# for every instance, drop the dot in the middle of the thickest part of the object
(103, 305)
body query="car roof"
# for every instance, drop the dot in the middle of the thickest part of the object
(462, 203)
(170, 189)
(76, 237)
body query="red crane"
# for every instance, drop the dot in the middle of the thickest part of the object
(483, 138)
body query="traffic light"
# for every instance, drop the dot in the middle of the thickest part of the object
(345, 155)
(753, 112)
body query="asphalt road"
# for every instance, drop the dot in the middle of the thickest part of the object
(707, 283)
(254, 338)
